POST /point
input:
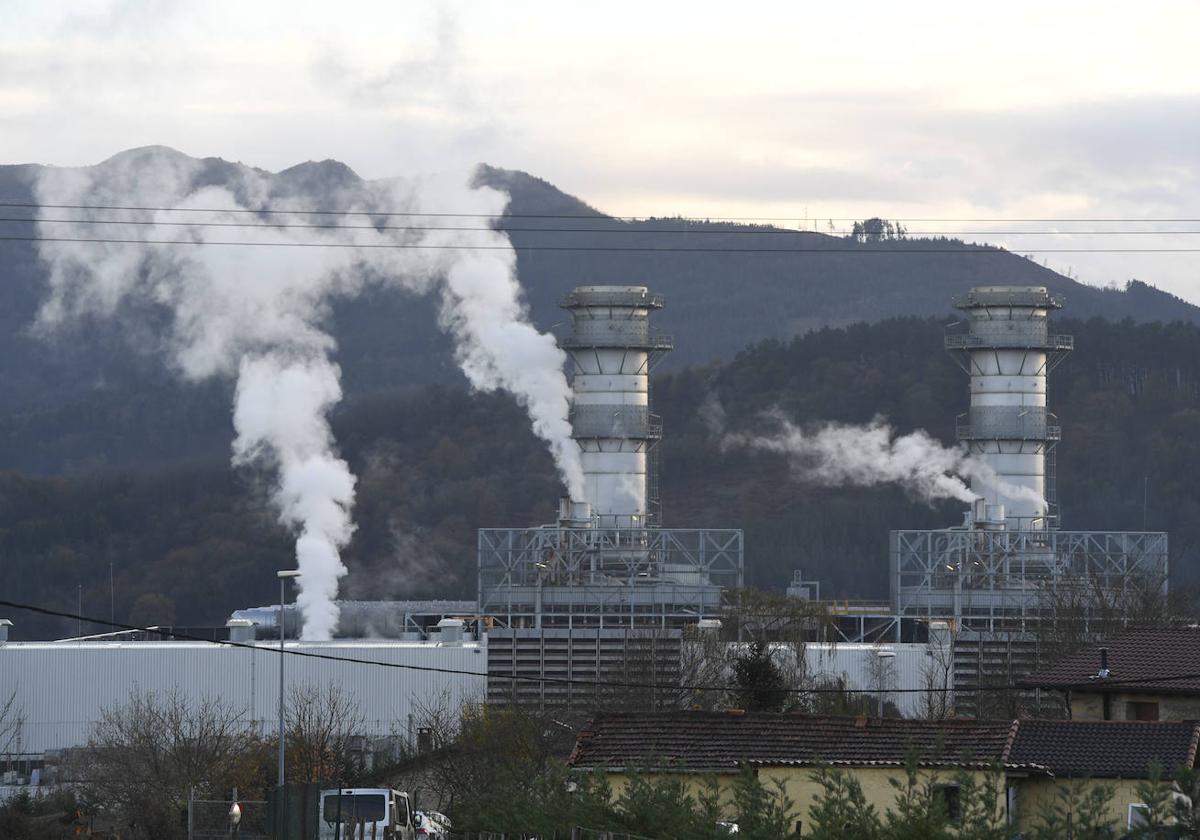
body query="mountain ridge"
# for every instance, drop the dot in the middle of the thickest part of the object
(718, 302)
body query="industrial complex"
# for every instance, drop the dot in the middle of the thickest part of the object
(608, 590)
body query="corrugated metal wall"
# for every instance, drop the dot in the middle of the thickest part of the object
(861, 667)
(62, 688)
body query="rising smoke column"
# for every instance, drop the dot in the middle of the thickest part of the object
(257, 314)
(497, 348)
(868, 455)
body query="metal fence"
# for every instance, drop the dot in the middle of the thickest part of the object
(209, 819)
(577, 833)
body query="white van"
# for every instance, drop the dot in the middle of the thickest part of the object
(366, 814)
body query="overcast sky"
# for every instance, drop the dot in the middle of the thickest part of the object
(919, 109)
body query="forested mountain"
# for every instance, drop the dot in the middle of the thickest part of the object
(98, 396)
(192, 541)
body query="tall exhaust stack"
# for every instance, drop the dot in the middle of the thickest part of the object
(612, 351)
(1008, 352)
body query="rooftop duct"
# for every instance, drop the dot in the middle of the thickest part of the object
(241, 630)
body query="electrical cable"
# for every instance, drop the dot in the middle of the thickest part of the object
(271, 648)
(968, 251)
(595, 216)
(502, 228)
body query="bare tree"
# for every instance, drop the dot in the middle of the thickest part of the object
(325, 741)
(783, 626)
(705, 661)
(144, 757)
(485, 758)
(12, 724)
(937, 678)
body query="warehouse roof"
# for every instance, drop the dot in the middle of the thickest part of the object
(1138, 660)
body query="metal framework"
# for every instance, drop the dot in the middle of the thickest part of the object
(583, 577)
(1006, 580)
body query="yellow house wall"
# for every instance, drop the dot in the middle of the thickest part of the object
(800, 788)
(694, 786)
(1034, 796)
(1090, 706)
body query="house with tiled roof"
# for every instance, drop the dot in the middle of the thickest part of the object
(1034, 756)
(1148, 675)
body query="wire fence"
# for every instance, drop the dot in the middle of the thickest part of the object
(209, 819)
(577, 833)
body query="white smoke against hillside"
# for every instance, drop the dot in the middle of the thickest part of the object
(868, 455)
(258, 315)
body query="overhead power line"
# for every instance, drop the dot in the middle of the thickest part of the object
(272, 648)
(503, 228)
(890, 249)
(595, 216)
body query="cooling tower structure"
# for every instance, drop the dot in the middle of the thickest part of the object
(604, 585)
(1009, 567)
(612, 351)
(1008, 352)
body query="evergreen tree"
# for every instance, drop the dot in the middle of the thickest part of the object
(841, 811)
(760, 684)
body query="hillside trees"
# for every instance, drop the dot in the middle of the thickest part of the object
(436, 463)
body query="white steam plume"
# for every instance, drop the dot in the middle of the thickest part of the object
(257, 314)
(837, 454)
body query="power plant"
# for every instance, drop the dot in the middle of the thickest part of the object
(1008, 570)
(570, 598)
(606, 593)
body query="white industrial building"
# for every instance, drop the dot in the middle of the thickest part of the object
(61, 688)
(913, 677)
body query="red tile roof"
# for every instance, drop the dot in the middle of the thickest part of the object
(704, 742)
(1138, 660)
(713, 741)
(1107, 749)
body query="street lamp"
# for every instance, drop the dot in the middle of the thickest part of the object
(283, 576)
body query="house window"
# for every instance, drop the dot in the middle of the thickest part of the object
(952, 800)
(1141, 710)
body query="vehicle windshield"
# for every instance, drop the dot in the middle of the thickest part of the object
(354, 807)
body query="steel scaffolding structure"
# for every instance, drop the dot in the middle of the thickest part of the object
(586, 577)
(996, 581)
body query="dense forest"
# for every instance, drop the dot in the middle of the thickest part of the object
(191, 540)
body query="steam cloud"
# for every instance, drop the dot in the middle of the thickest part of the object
(836, 454)
(257, 314)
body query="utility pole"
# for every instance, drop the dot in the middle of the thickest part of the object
(283, 576)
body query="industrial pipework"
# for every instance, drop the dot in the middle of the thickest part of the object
(612, 351)
(1007, 352)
